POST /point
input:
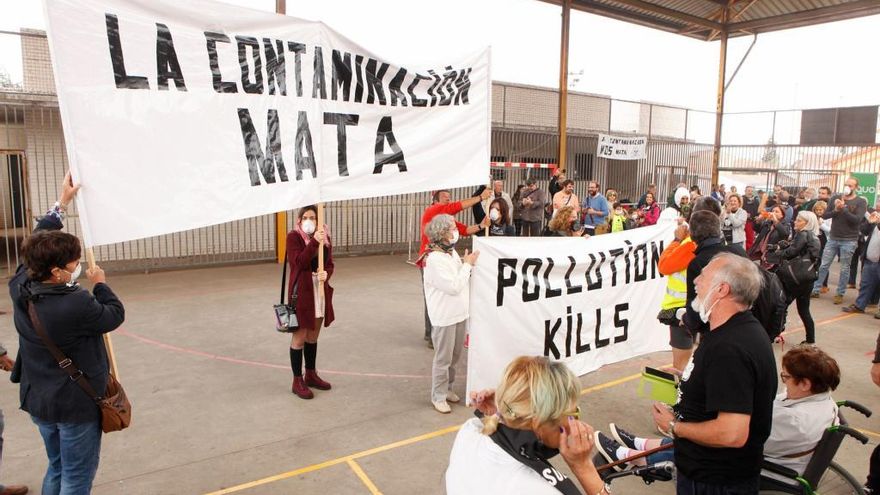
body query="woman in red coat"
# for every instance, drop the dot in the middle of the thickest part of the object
(313, 310)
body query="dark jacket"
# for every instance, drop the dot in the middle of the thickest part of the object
(804, 243)
(706, 250)
(303, 260)
(846, 221)
(76, 321)
(774, 233)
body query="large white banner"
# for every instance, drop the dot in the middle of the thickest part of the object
(182, 114)
(586, 302)
(621, 148)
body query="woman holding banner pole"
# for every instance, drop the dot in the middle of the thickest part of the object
(75, 321)
(314, 307)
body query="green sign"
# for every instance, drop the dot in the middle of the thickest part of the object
(867, 187)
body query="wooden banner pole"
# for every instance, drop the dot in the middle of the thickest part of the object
(321, 248)
(111, 357)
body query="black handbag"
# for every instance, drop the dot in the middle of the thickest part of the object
(285, 313)
(797, 271)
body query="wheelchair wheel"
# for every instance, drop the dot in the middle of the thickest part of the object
(838, 481)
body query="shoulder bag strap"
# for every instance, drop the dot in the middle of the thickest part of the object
(283, 277)
(284, 281)
(64, 362)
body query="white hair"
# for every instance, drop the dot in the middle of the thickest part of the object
(439, 227)
(812, 221)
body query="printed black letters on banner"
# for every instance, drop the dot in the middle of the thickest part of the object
(275, 67)
(319, 82)
(167, 65)
(383, 133)
(374, 81)
(258, 162)
(531, 295)
(394, 90)
(341, 75)
(211, 40)
(416, 101)
(304, 138)
(123, 80)
(340, 120)
(245, 44)
(298, 49)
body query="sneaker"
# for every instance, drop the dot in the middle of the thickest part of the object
(877, 315)
(452, 397)
(431, 345)
(815, 295)
(442, 407)
(852, 308)
(607, 448)
(824, 289)
(622, 436)
(838, 299)
(14, 490)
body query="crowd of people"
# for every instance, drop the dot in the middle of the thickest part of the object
(728, 416)
(729, 256)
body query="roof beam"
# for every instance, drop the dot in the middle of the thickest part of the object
(593, 7)
(827, 14)
(675, 14)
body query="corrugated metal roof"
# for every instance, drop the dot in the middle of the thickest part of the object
(702, 19)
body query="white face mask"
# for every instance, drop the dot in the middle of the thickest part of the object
(618, 212)
(74, 275)
(308, 226)
(494, 214)
(454, 236)
(847, 190)
(698, 306)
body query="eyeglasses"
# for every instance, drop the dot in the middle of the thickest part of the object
(576, 414)
(784, 376)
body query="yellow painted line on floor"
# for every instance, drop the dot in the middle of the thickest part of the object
(612, 383)
(869, 432)
(363, 476)
(349, 459)
(334, 462)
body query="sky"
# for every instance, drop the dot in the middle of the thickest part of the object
(813, 67)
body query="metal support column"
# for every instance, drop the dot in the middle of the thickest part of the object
(563, 83)
(719, 107)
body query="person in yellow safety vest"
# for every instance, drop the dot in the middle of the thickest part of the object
(673, 264)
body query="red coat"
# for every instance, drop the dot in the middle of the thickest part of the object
(299, 257)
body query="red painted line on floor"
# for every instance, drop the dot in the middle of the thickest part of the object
(247, 362)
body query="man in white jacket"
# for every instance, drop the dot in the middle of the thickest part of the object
(447, 297)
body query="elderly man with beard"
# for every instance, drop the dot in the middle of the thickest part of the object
(724, 410)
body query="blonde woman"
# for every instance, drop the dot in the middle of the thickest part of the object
(528, 419)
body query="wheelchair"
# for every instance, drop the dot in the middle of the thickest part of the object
(822, 476)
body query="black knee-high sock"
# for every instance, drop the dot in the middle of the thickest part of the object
(311, 352)
(296, 361)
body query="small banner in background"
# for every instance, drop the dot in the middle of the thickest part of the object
(621, 148)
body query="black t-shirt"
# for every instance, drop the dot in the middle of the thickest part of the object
(733, 370)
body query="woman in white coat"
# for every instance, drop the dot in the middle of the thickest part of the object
(446, 295)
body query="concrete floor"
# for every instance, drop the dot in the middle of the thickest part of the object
(210, 383)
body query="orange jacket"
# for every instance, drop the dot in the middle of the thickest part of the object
(677, 256)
